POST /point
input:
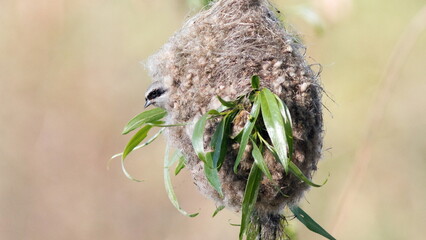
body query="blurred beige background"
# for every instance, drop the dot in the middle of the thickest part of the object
(70, 79)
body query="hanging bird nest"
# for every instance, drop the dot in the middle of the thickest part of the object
(216, 53)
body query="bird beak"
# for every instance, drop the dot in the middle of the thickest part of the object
(147, 103)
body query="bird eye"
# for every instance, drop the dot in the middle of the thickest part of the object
(155, 93)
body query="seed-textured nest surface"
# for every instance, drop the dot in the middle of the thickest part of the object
(215, 54)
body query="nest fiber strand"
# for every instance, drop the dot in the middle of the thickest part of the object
(216, 53)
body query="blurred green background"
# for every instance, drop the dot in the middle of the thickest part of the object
(70, 79)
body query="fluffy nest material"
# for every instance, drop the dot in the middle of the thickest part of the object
(216, 53)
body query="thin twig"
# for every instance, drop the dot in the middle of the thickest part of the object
(391, 74)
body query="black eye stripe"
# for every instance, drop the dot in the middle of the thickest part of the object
(155, 93)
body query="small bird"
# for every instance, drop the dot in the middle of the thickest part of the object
(215, 54)
(156, 95)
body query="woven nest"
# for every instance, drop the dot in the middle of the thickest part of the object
(216, 53)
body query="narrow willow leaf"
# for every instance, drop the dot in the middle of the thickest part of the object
(299, 174)
(260, 161)
(168, 182)
(220, 139)
(150, 140)
(142, 145)
(274, 125)
(219, 142)
(198, 137)
(255, 82)
(180, 165)
(158, 122)
(212, 174)
(309, 222)
(220, 208)
(248, 128)
(288, 125)
(135, 140)
(137, 147)
(228, 128)
(229, 104)
(250, 197)
(144, 117)
(123, 167)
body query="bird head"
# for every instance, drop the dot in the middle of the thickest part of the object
(156, 95)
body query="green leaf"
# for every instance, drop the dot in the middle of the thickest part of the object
(123, 167)
(255, 82)
(309, 222)
(212, 174)
(299, 174)
(138, 147)
(142, 145)
(220, 139)
(274, 125)
(250, 197)
(198, 139)
(248, 128)
(168, 182)
(220, 208)
(135, 140)
(288, 125)
(229, 104)
(180, 165)
(260, 161)
(144, 117)
(219, 142)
